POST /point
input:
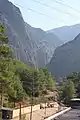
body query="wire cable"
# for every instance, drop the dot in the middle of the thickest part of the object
(43, 14)
(30, 9)
(53, 8)
(66, 5)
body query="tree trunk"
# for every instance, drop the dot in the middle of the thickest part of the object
(1, 96)
(20, 112)
(14, 104)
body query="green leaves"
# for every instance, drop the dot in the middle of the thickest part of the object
(1, 28)
(3, 39)
(16, 78)
(40, 79)
(67, 91)
(5, 51)
(49, 80)
(15, 90)
(9, 81)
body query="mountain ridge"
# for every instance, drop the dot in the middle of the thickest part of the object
(66, 59)
(28, 43)
(66, 33)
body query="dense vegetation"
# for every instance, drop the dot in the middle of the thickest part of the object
(10, 84)
(69, 87)
(17, 80)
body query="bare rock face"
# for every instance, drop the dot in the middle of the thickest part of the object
(66, 59)
(45, 44)
(31, 45)
(11, 17)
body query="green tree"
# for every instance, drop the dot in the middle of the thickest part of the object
(49, 80)
(5, 53)
(67, 91)
(40, 80)
(75, 77)
(15, 90)
(9, 81)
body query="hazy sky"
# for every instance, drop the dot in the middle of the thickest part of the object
(53, 17)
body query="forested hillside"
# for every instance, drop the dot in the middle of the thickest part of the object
(17, 79)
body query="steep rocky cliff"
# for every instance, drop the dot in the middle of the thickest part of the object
(11, 17)
(45, 43)
(30, 45)
(66, 59)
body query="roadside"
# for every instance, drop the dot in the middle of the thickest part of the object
(40, 114)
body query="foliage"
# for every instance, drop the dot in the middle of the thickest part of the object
(4, 54)
(15, 90)
(50, 81)
(16, 78)
(9, 81)
(36, 80)
(70, 87)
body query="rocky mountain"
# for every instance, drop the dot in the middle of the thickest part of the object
(45, 44)
(11, 17)
(30, 45)
(66, 33)
(66, 59)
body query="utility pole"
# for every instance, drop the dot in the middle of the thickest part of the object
(32, 95)
(20, 112)
(32, 99)
(1, 96)
(45, 109)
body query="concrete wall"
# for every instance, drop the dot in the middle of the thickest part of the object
(24, 111)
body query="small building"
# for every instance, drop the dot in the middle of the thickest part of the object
(75, 103)
(7, 113)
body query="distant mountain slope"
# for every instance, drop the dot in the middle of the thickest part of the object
(66, 59)
(30, 44)
(45, 43)
(66, 33)
(11, 17)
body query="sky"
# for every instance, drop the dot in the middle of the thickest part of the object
(49, 14)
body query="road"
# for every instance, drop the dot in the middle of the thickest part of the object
(73, 114)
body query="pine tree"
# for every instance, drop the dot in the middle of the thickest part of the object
(5, 56)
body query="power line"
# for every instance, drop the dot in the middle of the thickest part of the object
(66, 5)
(63, 4)
(30, 9)
(53, 8)
(19, 5)
(42, 14)
(39, 13)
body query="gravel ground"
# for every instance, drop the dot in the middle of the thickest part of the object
(40, 114)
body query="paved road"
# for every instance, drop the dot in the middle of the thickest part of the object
(74, 114)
